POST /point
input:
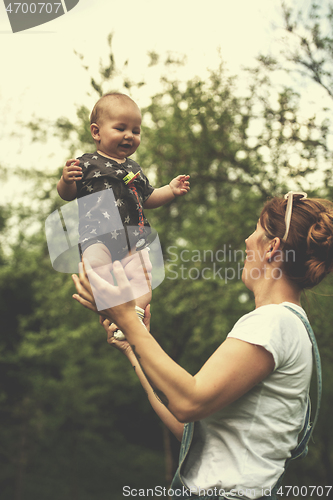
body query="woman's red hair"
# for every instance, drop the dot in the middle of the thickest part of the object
(310, 238)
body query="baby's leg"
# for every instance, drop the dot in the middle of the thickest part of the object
(138, 270)
(99, 257)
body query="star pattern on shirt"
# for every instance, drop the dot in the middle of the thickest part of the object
(103, 174)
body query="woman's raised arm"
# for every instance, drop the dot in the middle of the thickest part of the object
(233, 369)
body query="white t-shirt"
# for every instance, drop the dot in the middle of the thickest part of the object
(244, 446)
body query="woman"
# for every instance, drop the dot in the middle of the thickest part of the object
(248, 401)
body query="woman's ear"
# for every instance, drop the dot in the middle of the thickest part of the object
(274, 249)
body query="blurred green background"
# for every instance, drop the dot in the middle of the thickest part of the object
(75, 423)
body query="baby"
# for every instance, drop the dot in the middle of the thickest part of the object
(112, 231)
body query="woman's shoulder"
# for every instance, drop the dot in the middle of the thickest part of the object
(275, 327)
(274, 312)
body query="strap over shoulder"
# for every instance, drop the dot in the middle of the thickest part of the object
(302, 448)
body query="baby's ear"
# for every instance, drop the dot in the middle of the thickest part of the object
(94, 129)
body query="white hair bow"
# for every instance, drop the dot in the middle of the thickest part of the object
(290, 197)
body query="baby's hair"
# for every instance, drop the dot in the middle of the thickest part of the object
(98, 109)
(310, 238)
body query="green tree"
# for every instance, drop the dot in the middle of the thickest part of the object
(68, 405)
(312, 34)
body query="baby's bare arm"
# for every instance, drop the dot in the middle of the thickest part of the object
(178, 187)
(67, 186)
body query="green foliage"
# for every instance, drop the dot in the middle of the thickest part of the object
(78, 136)
(312, 54)
(66, 400)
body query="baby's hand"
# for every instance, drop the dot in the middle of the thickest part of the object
(72, 172)
(180, 185)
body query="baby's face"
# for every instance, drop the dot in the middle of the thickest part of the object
(119, 128)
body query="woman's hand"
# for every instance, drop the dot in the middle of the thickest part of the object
(110, 328)
(115, 302)
(84, 292)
